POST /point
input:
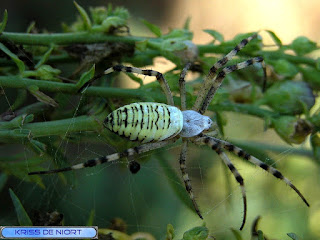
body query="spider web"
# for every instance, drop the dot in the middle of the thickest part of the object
(145, 201)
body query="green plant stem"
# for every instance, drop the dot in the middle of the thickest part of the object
(274, 55)
(64, 126)
(274, 148)
(18, 82)
(50, 128)
(46, 39)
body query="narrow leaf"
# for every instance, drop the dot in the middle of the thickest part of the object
(14, 57)
(38, 147)
(3, 24)
(45, 57)
(236, 234)
(186, 24)
(85, 18)
(23, 218)
(91, 218)
(86, 77)
(153, 28)
(216, 35)
(31, 26)
(34, 90)
(275, 38)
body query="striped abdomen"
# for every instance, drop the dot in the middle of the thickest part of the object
(145, 121)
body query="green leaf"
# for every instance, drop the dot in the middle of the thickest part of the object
(3, 24)
(275, 38)
(293, 236)
(20, 99)
(22, 215)
(153, 28)
(34, 90)
(86, 77)
(14, 57)
(170, 232)
(30, 27)
(45, 57)
(91, 218)
(236, 234)
(17, 122)
(142, 46)
(311, 76)
(44, 72)
(302, 45)
(215, 34)
(196, 233)
(186, 24)
(85, 18)
(285, 68)
(38, 147)
(260, 235)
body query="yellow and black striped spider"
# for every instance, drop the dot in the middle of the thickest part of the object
(156, 125)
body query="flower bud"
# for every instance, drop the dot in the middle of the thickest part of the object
(180, 51)
(291, 129)
(289, 97)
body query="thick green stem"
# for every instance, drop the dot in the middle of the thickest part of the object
(66, 38)
(274, 148)
(18, 82)
(64, 126)
(51, 128)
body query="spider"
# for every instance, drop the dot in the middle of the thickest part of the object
(157, 125)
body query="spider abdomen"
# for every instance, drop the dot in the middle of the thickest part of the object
(145, 121)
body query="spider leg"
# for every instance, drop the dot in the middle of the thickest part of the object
(185, 176)
(213, 71)
(163, 82)
(120, 68)
(240, 153)
(221, 75)
(112, 157)
(217, 148)
(182, 86)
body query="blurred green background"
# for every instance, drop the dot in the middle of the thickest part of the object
(146, 201)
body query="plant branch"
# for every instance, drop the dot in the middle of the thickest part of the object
(18, 82)
(48, 39)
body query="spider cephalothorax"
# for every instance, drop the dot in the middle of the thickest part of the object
(157, 125)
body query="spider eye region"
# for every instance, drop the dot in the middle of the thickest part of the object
(194, 123)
